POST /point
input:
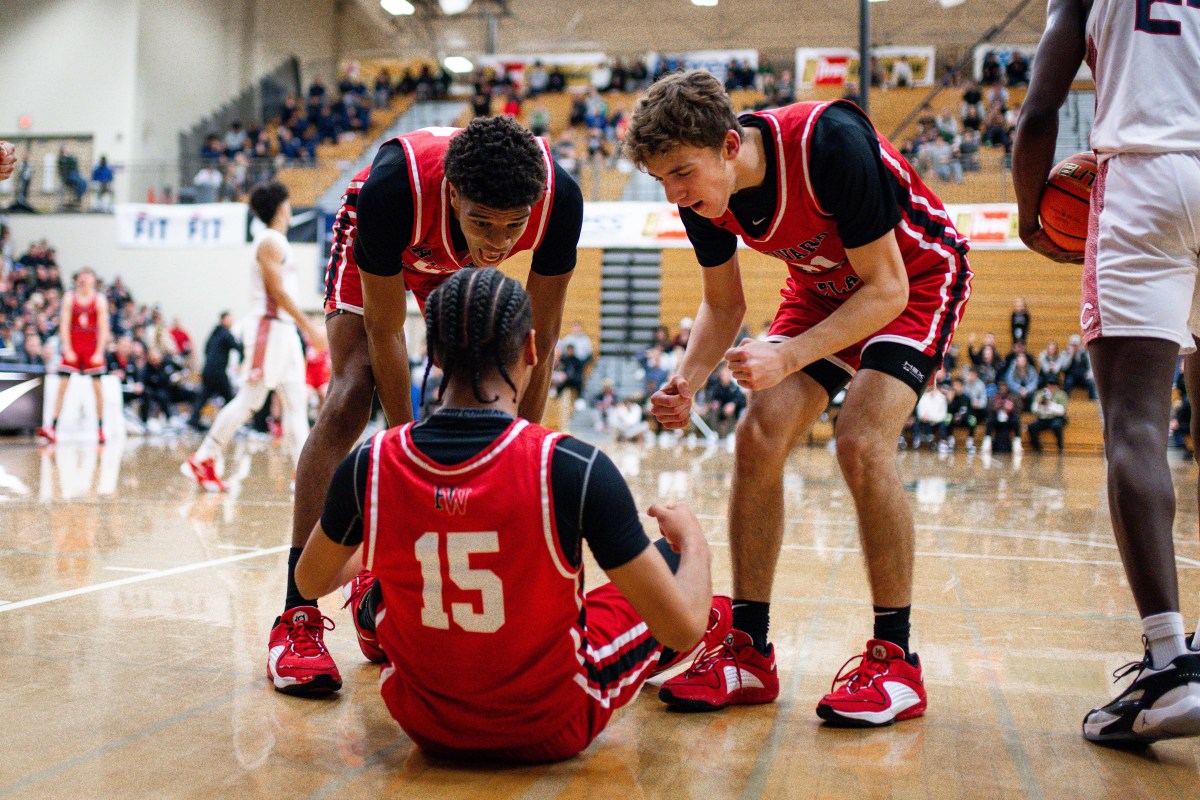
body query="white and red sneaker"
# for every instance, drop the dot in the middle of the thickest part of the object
(100, 439)
(884, 688)
(720, 620)
(298, 662)
(731, 673)
(354, 592)
(205, 473)
(47, 433)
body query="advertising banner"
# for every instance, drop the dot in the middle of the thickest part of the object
(899, 65)
(201, 225)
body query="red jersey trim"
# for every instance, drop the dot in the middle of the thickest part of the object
(781, 177)
(373, 494)
(447, 240)
(548, 199)
(415, 182)
(808, 126)
(418, 458)
(552, 543)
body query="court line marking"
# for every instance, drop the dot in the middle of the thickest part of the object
(131, 569)
(148, 576)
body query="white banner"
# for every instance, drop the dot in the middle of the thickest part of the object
(200, 225)
(1004, 54)
(657, 226)
(714, 61)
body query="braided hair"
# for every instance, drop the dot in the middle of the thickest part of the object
(476, 322)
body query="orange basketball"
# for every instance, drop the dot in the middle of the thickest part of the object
(1067, 199)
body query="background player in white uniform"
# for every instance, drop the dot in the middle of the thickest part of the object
(1138, 299)
(274, 353)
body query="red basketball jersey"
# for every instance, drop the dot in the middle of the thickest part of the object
(85, 328)
(482, 621)
(432, 249)
(805, 236)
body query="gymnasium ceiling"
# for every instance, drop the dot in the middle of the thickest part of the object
(621, 27)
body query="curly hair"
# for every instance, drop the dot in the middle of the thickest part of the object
(476, 322)
(266, 198)
(497, 162)
(683, 108)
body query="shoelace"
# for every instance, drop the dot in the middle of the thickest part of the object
(862, 676)
(1133, 666)
(709, 657)
(308, 637)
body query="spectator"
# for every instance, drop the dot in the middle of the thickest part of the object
(212, 149)
(208, 183)
(1051, 362)
(481, 102)
(628, 421)
(68, 173)
(654, 375)
(945, 161)
(1018, 348)
(604, 402)
(1017, 70)
(119, 361)
(726, 402)
(1020, 321)
(512, 104)
(181, 338)
(990, 366)
(31, 350)
(383, 88)
(566, 155)
(578, 339)
(968, 151)
(558, 81)
(932, 410)
(235, 139)
(1050, 406)
(155, 379)
(568, 377)
(991, 70)
(1003, 430)
(1078, 369)
(685, 333)
(102, 179)
(1022, 378)
(539, 119)
(962, 413)
(538, 80)
(972, 100)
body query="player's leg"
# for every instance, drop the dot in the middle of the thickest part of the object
(98, 391)
(876, 407)
(64, 382)
(1139, 285)
(202, 465)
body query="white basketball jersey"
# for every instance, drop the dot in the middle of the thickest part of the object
(260, 303)
(1144, 55)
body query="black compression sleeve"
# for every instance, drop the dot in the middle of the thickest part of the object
(849, 177)
(714, 246)
(592, 502)
(342, 519)
(385, 213)
(557, 253)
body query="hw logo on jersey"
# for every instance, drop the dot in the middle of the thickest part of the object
(451, 499)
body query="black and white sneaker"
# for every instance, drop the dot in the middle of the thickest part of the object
(1159, 704)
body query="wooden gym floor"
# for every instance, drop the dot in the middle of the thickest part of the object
(136, 616)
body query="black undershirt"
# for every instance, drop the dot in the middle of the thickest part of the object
(384, 208)
(592, 502)
(848, 176)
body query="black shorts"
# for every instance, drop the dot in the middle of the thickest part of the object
(906, 364)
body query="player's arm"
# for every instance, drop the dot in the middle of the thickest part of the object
(722, 309)
(1058, 58)
(385, 307)
(879, 300)
(64, 327)
(550, 273)
(103, 329)
(385, 216)
(548, 296)
(270, 257)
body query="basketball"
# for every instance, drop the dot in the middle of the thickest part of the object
(1067, 200)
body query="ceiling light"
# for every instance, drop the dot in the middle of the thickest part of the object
(454, 6)
(398, 8)
(706, 3)
(457, 64)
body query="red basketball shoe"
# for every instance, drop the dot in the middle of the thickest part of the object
(354, 592)
(720, 620)
(731, 673)
(46, 432)
(100, 436)
(205, 473)
(298, 662)
(884, 688)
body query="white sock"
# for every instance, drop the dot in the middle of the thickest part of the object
(1195, 643)
(1164, 633)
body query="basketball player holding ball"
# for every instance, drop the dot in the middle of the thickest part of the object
(434, 201)
(877, 278)
(1139, 301)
